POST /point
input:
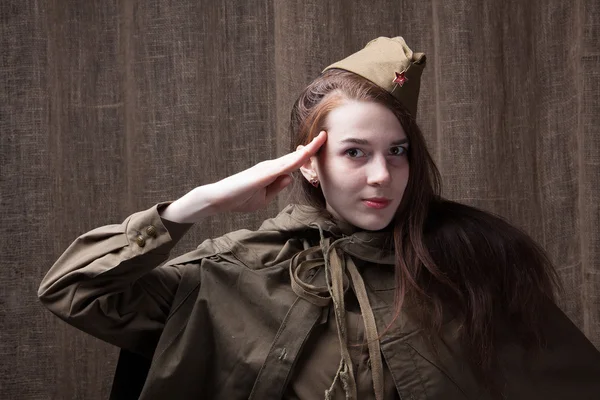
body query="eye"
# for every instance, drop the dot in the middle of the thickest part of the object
(354, 153)
(398, 151)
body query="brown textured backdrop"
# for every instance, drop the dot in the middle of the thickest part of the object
(107, 107)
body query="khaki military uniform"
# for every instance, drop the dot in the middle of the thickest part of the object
(222, 322)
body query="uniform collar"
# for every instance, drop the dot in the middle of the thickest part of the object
(372, 246)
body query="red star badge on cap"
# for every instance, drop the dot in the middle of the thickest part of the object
(400, 78)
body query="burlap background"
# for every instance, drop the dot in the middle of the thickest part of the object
(107, 107)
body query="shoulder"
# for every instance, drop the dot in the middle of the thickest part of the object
(480, 247)
(452, 223)
(467, 238)
(453, 213)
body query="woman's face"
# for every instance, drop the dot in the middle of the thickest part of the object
(363, 167)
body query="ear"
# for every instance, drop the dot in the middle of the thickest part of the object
(308, 169)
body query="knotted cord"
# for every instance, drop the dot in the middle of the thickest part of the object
(336, 268)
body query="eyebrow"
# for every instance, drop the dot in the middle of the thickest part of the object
(366, 142)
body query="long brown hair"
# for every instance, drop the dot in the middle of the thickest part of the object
(450, 257)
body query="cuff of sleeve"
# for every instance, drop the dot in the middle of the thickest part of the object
(176, 230)
(147, 231)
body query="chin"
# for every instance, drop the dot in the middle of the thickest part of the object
(372, 224)
(368, 220)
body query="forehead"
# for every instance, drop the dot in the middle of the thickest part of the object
(363, 120)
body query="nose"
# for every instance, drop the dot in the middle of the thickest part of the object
(378, 173)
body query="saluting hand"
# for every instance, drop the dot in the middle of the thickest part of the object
(248, 190)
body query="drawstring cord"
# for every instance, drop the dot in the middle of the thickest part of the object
(336, 268)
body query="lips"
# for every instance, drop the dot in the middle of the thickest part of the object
(377, 202)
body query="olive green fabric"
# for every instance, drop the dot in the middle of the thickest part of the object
(319, 360)
(227, 312)
(337, 269)
(107, 107)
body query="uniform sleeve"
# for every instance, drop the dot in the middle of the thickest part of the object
(109, 282)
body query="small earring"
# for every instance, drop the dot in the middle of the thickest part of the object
(314, 182)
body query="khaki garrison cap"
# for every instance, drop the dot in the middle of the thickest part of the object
(390, 64)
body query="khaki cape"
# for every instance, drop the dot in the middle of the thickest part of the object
(222, 322)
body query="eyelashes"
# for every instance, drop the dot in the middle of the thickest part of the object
(354, 153)
(397, 151)
(401, 150)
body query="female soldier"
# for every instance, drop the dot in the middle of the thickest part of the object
(376, 287)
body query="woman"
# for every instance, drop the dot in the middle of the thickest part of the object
(376, 287)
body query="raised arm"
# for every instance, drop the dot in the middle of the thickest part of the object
(109, 282)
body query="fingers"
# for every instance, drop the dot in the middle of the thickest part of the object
(271, 170)
(292, 161)
(316, 143)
